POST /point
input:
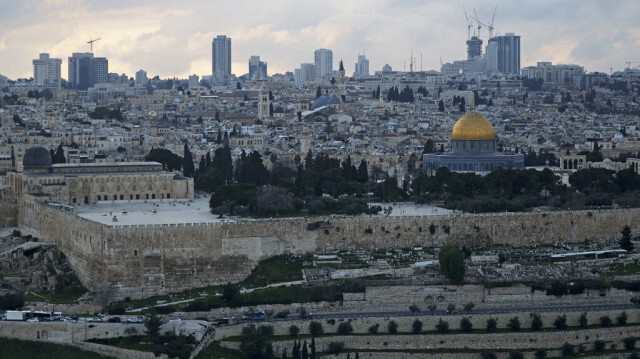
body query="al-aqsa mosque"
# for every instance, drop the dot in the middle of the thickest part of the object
(473, 149)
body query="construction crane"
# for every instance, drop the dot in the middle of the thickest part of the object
(469, 23)
(90, 42)
(490, 27)
(631, 62)
(480, 24)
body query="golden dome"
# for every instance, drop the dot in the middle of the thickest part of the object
(473, 126)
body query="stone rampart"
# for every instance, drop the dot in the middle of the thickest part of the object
(143, 260)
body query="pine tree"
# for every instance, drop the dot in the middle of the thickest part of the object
(58, 157)
(318, 92)
(312, 347)
(305, 351)
(219, 137)
(188, 168)
(363, 172)
(625, 241)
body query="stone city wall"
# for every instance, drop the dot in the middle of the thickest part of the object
(157, 259)
(524, 340)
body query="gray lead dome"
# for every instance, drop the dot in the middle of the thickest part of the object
(36, 157)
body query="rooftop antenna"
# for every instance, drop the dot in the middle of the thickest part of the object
(91, 41)
(411, 62)
(469, 23)
(491, 23)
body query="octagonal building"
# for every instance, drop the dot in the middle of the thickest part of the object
(473, 149)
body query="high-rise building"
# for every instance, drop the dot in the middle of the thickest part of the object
(85, 70)
(46, 71)
(306, 73)
(324, 64)
(257, 68)
(141, 78)
(503, 54)
(474, 47)
(362, 66)
(194, 81)
(221, 59)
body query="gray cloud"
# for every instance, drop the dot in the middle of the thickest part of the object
(170, 38)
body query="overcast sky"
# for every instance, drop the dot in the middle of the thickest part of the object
(173, 38)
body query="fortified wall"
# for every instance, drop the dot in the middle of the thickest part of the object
(143, 260)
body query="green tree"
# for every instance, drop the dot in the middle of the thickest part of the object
(188, 167)
(622, 318)
(540, 354)
(625, 241)
(416, 326)
(58, 157)
(318, 92)
(582, 320)
(514, 324)
(466, 325)
(231, 294)
(315, 328)
(599, 345)
(392, 327)
(432, 308)
(255, 343)
(487, 354)
(294, 330)
(516, 355)
(561, 322)
(152, 325)
(567, 350)
(492, 325)
(536, 322)
(469, 306)
(413, 308)
(451, 260)
(630, 343)
(345, 328)
(442, 326)
(605, 321)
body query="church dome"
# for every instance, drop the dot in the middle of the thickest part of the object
(473, 126)
(325, 100)
(36, 157)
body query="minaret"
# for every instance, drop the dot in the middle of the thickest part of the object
(263, 102)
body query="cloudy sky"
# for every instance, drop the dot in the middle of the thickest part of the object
(173, 38)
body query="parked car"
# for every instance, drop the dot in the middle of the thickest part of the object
(135, 320)
(33, 320)
(114, 320)
(174, 319)
(95, 320)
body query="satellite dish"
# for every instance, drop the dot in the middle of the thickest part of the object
(152, 113)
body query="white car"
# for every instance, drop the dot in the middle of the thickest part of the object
(135, 320)
(33, 320)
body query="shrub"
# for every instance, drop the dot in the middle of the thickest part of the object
(514, 324)
(315, 328)
(374, 328)
(392, 327)
(117, 310)
(417, 326)
(605, 321)
(294, 330)
(336, 347)
(516, 355)
(492, 325)
(442, 326)
(485, 354)
(345, 328)
(561, 322)
(567, 350)
(536, 322)
(465, 325)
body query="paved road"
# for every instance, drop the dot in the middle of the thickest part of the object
(527, 309)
